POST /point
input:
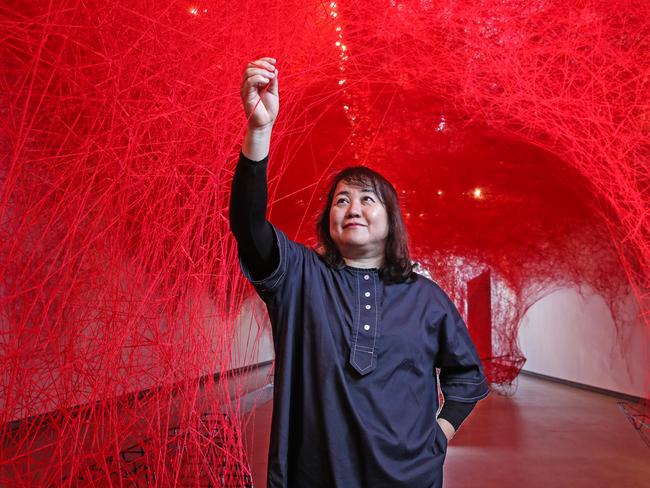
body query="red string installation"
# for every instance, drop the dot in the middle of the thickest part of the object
(515, 131)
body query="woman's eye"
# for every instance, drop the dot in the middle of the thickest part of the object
(340, 200)
(369, 198)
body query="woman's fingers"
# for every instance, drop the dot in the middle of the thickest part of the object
(267, 60)
(262, 64)
(259, 91)
(249, 72)
(259, 79)
(253, 83)
(273, 85)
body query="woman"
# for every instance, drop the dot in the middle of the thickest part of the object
(357, 334)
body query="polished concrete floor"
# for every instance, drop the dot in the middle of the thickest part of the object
(546, 435)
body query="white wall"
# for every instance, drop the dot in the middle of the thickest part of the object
(253, 341)
(573, 338)
(52, 386)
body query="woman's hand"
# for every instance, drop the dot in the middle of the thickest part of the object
(259, 92)
(447, 428)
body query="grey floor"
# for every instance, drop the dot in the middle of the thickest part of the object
(546, 435)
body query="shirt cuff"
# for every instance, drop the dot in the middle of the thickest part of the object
(287, 250)
(244, 159)
(463, 388)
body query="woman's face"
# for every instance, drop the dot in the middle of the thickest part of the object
(358, 221)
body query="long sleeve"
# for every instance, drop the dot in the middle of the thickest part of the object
(456, 412)
(256, 241)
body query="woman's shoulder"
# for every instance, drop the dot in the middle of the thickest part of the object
(427, 284)
(311, 256)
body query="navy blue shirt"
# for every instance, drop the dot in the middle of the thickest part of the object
(355, 394)
(257, 245)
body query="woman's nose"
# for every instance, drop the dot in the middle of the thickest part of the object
(354, 210)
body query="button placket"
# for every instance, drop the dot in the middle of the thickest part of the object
(363, 356)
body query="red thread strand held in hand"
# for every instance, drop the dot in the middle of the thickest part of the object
(515, 131)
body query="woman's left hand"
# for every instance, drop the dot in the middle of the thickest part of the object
(447, 428)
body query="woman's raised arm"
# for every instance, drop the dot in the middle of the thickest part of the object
(249, 194)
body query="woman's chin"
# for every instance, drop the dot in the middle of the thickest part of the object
(352, 243)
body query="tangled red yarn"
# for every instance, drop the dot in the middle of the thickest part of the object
(516, 131)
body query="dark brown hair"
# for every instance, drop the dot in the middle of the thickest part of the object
(397, 266)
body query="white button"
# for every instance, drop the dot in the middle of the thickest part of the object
(366, 277)
(366, 327)
(368, 307)
(367, 293)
